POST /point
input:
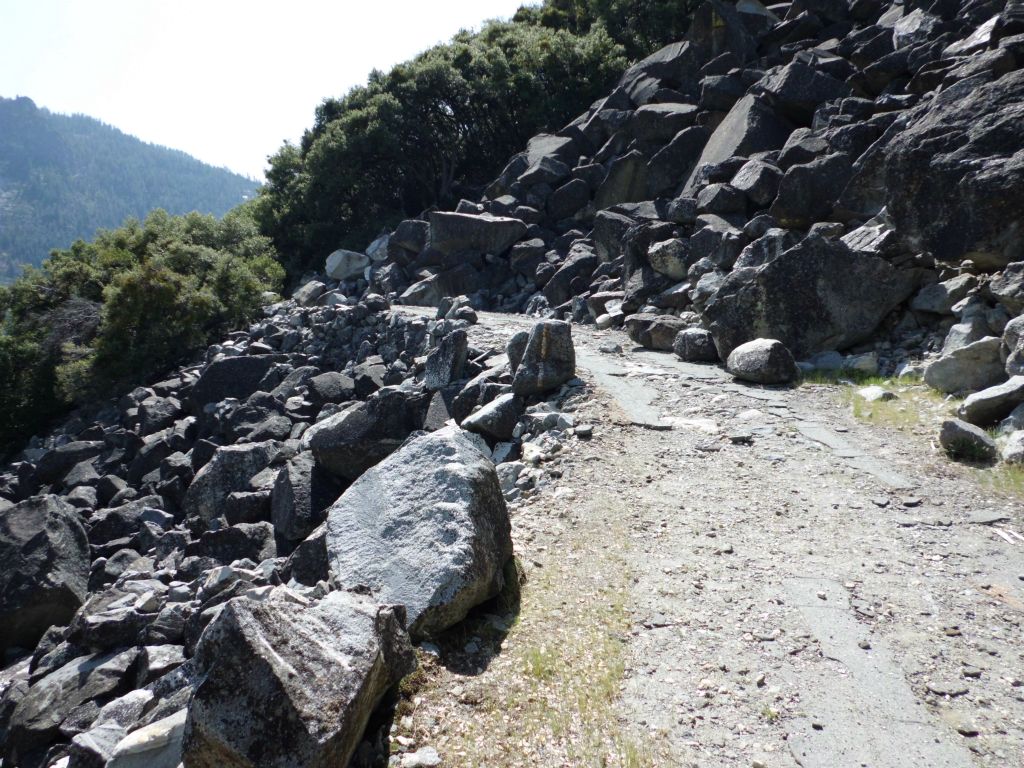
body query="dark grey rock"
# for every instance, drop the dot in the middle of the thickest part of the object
(816, 296)
(988, 406)
(330, 666)
(549, 359)
(350, 442)
(230, 469)
(45, 573)
(445, 363)
(302, 493)
(497, 419)
(454, 233)
(236, 377)
(965, 441)
(695, 345)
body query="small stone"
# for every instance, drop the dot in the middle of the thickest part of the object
(425, 757)
(864, 645)
(822, 595)
(585, 431)
(874, 394)
(911, 501)
(880, 501)
(946, 688)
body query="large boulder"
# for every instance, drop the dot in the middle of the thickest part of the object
(816, 296)
(454, 233)
(350, 442)
(230, 470)
(235, 377)
(750, 126)
(969, 368)
(953, 171)
(548, 361)
(343, 265)
(762, 361)
(45, 573)
(626, 181)
(282, 684)
(426, 528)
(797, 89)
(302, 493)
(990, 405)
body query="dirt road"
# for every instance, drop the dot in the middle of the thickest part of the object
(728, 575)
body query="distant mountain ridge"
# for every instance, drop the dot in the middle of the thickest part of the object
(62, 177)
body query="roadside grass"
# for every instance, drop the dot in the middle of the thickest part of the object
(920, 410)
(548, 696)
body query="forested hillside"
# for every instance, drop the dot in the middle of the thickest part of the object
(435, 128)
(63, 177)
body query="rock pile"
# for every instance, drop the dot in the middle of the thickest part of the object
(228, 567)
(842, 177)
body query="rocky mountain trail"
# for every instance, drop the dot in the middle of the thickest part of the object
(785, 585)
(569, 475)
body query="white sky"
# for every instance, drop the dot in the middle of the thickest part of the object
(224, 80)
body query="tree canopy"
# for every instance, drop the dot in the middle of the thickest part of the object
(108, 314)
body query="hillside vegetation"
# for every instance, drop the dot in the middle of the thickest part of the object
(63, 177)
(434, 129)
(102, 316)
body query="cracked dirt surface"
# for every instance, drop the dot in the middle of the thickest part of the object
(727, 575)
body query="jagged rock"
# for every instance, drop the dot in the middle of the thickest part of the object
(626, 181)
(236, 377)
(762, 361)
(992, 404)
(45, 573)
(446, 362)
(411, 235)
(37, 718)
(967, 369)
(953, 172)
(654, 331)
(230, 470)
(431, 291)
(548, 361)
(609, 230)
(751, 126)
(674, 63)
(796, 90)
(568, 199)
(1008, 287)
(721, 199)
(307, 295)
(302, 493)
(673, 163)
(808, 192)
(940, 298)
(55, 463)
(759, 181)
(254, 541)
(965, 441)
(496, 419)
(350, 442)
(344, 265)
(1013, 449)
(695, 345)
(814, 297)
(329, 666)
(578, 266)
(454, 233)
(426, 528)
(670, 257)
(660, 122)
(770, 245)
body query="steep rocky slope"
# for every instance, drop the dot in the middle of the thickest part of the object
(229, 566)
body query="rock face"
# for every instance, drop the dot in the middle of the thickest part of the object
(548, 361)
(817, 296)
(955, 171)
(45, 556)
(762, 361)
(426, 528)
(324, 668)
